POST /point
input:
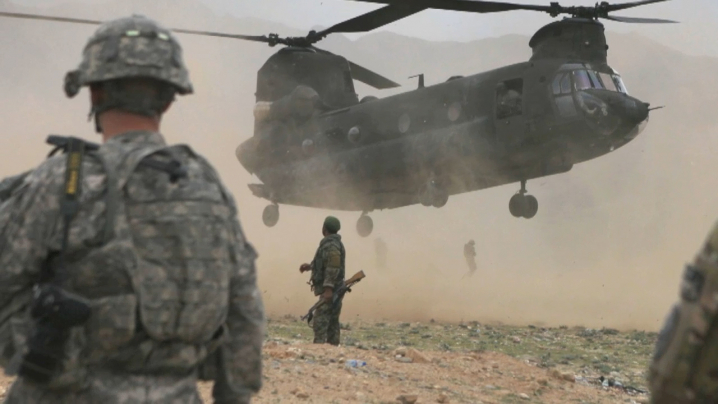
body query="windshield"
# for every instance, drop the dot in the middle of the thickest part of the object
(586, 79)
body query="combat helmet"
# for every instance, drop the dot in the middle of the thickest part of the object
(130, 47)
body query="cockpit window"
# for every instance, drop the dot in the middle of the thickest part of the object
(619, 84)
(594, 80)
(561, 84)
(581, 80)
(608, 82)
(566, 84)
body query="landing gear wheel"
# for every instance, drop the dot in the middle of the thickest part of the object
(440, 198)
(517, 205)
(531, 206)
(270, 215)
(365, 225)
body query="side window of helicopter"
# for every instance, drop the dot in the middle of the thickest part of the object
(561, 84)
(561, 88)
(509, 96)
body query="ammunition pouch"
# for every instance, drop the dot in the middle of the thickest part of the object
(55, 312)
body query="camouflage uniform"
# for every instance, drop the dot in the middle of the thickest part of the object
(328, 271)
(162, 261)
(685, 362)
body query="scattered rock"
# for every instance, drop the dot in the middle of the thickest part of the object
(407, 398)
(303, 395)
(416, 356)
(556, 374)
(400, 351)
(443, 399)
(404, 359)
(516, 340)
(524, 396)
(568, 377)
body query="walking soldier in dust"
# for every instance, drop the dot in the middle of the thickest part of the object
(684, 367)
(124, 273)
(470, 256)
(327, 277)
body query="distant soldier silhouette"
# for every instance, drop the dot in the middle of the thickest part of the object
(470, 256)
(381, 252)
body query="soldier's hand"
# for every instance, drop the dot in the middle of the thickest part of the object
(327, 295)
(304, 268)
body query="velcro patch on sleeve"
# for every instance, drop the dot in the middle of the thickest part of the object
(334, 259)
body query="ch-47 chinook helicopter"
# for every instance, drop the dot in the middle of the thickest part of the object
(316, 144)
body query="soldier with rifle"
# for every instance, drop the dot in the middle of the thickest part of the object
(327, 270)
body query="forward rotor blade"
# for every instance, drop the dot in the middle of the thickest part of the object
(365, 75)
(639, 20)
(373, 19)
(475, 6)
(623, 6)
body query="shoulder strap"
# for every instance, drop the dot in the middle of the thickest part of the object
(70, 204)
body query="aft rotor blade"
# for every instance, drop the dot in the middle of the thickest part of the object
(639, 20)
(475, 6)
(373, 19)
(623, 6)
(46, 18)
(256, 38)
(97, 22)
(365, 75)
(368, 77)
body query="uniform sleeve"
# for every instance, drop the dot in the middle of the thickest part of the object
(27, 221)
(240, 358)
(332, 264)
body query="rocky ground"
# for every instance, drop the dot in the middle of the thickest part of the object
(453, 363)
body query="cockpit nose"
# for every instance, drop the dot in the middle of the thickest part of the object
(635, 111)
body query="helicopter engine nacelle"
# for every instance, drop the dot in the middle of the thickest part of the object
(300, 104)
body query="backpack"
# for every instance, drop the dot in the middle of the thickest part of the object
(684, 368)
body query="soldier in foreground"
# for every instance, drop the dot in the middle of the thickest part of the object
(684, 367)
(327, 276)
(124, 273)
(470, 256)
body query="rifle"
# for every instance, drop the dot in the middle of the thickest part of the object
(337, 296)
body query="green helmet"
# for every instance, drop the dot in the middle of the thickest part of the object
(130, 47)
(332, 224)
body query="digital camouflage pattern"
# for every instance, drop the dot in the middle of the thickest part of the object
(171, 252)
(685, 363)
(328, 271)
(129, 47)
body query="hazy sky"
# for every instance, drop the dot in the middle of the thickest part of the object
(695, 35)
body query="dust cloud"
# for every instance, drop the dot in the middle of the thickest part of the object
(605, 250)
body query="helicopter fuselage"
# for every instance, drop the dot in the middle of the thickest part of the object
(519, 122)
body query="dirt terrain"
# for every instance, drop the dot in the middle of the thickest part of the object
(452, 363)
